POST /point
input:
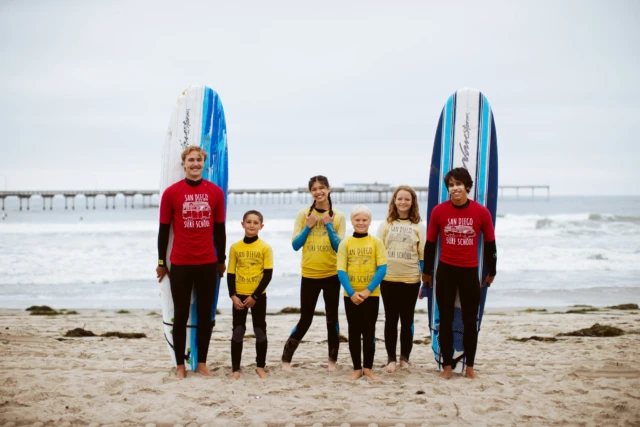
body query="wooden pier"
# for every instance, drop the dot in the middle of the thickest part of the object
(256, 196)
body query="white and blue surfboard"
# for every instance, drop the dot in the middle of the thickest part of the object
(196, 119)
(465, 137)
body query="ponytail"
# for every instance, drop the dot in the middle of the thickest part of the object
(330, 204)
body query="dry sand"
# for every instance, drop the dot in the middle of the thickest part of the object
(51, 380)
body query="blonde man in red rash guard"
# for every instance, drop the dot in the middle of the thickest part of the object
(194, 207)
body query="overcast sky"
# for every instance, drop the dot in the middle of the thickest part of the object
(349, 89)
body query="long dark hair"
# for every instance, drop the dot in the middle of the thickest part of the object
(324, 181)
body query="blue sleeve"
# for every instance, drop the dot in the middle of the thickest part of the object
(300, 238)
(381, 271)
(333, 236)
(421, 266)
(344, 279)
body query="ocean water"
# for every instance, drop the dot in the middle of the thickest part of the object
(552, 253)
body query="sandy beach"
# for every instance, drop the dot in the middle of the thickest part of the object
(47, 379)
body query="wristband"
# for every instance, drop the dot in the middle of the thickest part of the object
(161, 263)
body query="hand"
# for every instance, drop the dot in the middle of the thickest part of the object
(249, 302)
(357, 298)
(488, 280)
(312, 220)
(427, 280)
(221, 269)
(364, 294)
(420, 295)
(326, 219)
(237, 303)
(161, 271)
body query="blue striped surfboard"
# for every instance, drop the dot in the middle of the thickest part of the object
(196, 119)
(465, 137)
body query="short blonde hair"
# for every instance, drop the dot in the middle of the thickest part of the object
(361, 209)
(191, 148)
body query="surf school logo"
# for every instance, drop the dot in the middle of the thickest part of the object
(466, 128)
(196, 211)
(460, 232)
(186, 125)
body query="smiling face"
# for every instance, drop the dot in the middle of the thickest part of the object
(252, 225)
(361, 223)
(320, 192)
(403, 203)
(193, 165)
(457, 191)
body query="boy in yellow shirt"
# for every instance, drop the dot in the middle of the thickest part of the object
(362, 264)
(250, 271)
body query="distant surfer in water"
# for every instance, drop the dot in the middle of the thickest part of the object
(458, 222)
(194, 207)
(318, 230)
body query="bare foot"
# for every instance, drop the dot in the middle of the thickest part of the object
(332, 365)
(236, 375)
(203, 370)
(470, 373)
(286, 367)
(181, 372)
(391, 367)
(356, 374)
(404, 364)
(446, 373)
(261, 373)
(369, 373)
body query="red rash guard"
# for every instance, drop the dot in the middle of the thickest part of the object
(459, 231)
(192, 211)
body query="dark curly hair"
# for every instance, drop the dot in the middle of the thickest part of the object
(459, 174)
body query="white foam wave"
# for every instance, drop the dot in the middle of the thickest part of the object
(102, 253)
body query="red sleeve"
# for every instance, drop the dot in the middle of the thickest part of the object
(219, 215)
(434, 225)
(166, 206)
(488, 232)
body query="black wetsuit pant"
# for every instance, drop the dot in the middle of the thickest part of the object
(464, 280)
(309, 292)
(258, 317)
(183, 279)
(399, 301)
(362, 325)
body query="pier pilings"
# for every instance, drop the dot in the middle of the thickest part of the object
(246, 196)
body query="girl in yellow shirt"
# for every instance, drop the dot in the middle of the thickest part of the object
(403, 235)
(318, 231)
(362, 263)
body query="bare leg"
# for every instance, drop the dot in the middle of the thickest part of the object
(286, 366)
(470, 373)
(261, 373)
(203, 370)
(369, 373)
(446, 373)
(236, 375)
(391, 367)
(332, 365)
(356, 374)
(181, 372)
